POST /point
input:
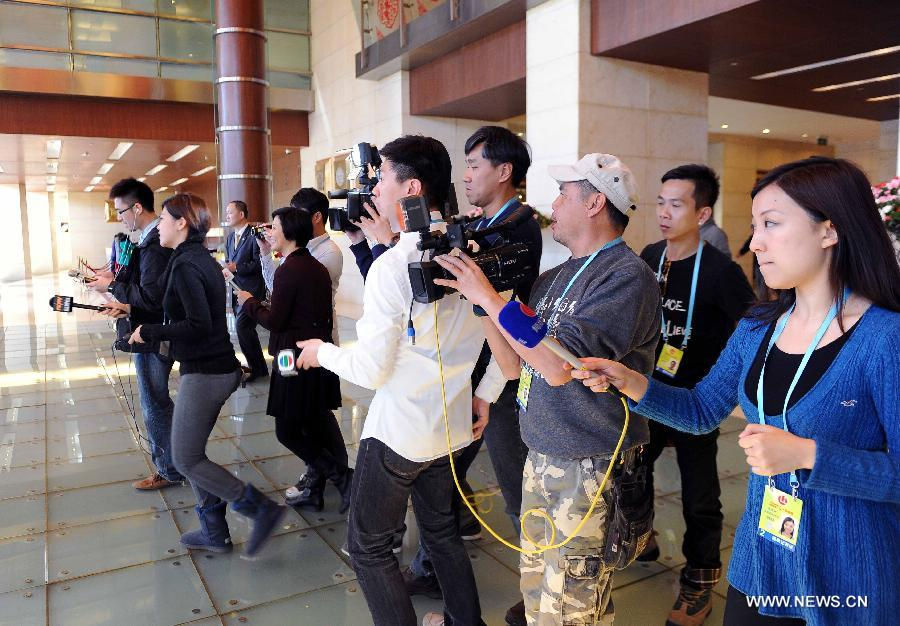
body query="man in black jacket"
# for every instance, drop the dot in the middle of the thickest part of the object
(242, 259)
(137, 288)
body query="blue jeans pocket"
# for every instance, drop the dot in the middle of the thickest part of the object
(399, 465)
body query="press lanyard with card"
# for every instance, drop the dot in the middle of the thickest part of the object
(526, 375)
(670, 357)
(779, 518)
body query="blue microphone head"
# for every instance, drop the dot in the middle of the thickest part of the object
(522, 324)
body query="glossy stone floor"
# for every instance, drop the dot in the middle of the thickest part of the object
(79, 546)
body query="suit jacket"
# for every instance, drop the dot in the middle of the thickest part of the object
(245, 255)
(301, 303)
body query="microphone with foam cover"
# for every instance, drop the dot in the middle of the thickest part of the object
(524, 325)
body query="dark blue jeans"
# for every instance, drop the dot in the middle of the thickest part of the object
(153, 384)
(382, 485)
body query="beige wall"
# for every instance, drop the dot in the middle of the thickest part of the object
(877, 157)
(739, 161)
(653, 118)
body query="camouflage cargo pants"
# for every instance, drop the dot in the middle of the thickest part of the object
(566, 586)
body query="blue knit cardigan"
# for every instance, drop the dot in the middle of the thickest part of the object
(849, 536)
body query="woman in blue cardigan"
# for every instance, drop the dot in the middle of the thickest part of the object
(825, 450)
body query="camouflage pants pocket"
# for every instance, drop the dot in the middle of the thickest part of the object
(583, 587)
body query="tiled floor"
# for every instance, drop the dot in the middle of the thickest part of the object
(78, 545)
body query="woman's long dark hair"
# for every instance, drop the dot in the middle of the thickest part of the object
(863, 259)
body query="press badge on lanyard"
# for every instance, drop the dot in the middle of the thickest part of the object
(779, 517)
(527, 376)
(670, 358)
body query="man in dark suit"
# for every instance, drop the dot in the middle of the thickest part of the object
(242, 259)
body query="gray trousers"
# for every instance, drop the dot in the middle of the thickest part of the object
(197, 405)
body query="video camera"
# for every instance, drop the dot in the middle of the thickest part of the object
(505, 264)
(362, 158)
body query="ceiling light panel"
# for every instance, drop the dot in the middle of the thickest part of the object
(54, 148)
(104, 169)
(882, 98)
(157, 169)
(96, 180)
(120, 150)
(855, 83)
(813, 66)
(182, 153)
(177, 182)
(204, 170)
(53, 167)
(89, 189)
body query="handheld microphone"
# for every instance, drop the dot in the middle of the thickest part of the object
(527, 328)
(64, 304)
(229, 278)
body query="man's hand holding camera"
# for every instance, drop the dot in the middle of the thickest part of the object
(470, 282)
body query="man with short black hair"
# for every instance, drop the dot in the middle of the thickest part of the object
(138, 293)
(403, 450)
(242, 260)
(704, 294)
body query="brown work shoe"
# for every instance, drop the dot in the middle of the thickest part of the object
(151, 483)
(691, 607)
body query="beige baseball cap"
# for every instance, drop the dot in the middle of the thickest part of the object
(606, 173)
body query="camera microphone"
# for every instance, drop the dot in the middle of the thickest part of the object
(526, 327)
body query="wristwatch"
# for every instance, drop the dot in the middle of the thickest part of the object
(109, 289)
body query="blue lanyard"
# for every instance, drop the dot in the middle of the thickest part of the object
(779, 328)
(690, 315)
(502, 210)
(607, 245)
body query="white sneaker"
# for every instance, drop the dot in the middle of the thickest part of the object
(433, 619)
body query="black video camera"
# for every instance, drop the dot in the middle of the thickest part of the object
(506, 265)
(363, 158)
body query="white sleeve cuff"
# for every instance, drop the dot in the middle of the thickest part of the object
(492, 383)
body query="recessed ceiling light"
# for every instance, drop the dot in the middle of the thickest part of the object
(854, 83)
(156, 170)
(880, 98)
(142, 179)
(812, 66)
(120, 150)
(182, 153)
(204, 170)
(89, 189)
(734, 64)
(52, 167)
(805, 135)
(160, 190)
(96, 180)
(104, 169)
(724, 125)
(177, 182)
(766, 131)
(54, 148)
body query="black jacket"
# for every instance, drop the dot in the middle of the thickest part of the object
(245, 255)
(195, 315)
(139, 285)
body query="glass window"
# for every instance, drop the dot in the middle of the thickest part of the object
(200, 9)
(288, 52)
(287, 14)
(186, 40)
(33, 25)
(32, 58)
(289, 80)
(111, 32)
(111, 65)
(186, 72)
(147, 6)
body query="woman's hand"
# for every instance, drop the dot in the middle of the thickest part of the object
(136, 336)
(599, 374)
(242, 296)
(771, 450)
(309, 353)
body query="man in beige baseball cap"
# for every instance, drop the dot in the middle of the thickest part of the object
(604, 299)
(596, 184)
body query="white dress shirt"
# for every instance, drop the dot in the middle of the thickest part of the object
(406, 413)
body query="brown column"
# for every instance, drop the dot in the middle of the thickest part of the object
(241, 122)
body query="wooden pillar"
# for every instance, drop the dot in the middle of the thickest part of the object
(242, 126)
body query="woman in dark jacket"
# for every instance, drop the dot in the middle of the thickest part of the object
(196, 335)
(302, 403)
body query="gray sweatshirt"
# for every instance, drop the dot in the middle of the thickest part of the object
(612, 311)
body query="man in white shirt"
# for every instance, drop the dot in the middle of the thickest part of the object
(403, 449)
(321, 246)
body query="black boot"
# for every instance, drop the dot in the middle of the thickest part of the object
(344, 483)
(264, 513)
(312, 496)
(337, 473)
(292, 494)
